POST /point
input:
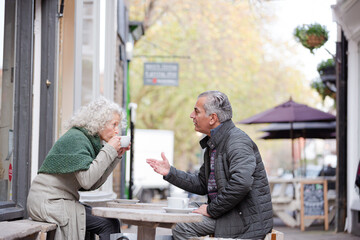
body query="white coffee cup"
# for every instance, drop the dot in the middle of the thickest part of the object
(177, 202)
(124, 141)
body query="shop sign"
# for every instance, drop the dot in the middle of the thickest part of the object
(163, 74)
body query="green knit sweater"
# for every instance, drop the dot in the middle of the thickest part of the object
(73, 151)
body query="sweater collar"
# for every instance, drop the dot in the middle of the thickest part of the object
(213, 131)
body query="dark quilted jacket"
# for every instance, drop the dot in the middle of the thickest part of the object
(243, 207)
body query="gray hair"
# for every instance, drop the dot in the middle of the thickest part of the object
(96, 114)
(217, 102)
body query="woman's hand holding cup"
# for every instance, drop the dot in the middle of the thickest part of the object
(120, 143)
(122, 150)
(115, 142)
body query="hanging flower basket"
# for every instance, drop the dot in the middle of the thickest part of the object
(322, 89)
(311, 36)
(314, 41)
(326, 67)
(327, 73)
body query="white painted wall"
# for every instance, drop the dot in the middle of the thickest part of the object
(346, 14)
(36, 91)
(353, 126)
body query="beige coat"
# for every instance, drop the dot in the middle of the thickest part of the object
(54, 198)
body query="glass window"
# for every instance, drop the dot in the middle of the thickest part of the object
(7, 29)
(90, 51)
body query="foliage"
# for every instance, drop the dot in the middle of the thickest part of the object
(215, 51)
(325, 64)
(311, 36)
(322, 89)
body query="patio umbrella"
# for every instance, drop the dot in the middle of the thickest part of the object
(323, 130)
(290, 112)
(286, 135)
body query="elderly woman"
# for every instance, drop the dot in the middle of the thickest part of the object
(81, 159)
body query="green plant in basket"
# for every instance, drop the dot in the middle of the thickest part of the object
(322, 89)
(324, 65)
(311, 36)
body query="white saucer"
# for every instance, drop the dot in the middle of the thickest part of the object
(178, 210)
(128, 201)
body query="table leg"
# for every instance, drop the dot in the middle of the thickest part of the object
(287, 218)
(146, 233)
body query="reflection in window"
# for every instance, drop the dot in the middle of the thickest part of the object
(7, 30)
(90, 51)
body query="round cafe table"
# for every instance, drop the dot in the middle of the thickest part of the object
(146, 216)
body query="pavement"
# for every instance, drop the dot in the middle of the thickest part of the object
(314, 232)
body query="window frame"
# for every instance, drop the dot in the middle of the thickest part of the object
(24, 16)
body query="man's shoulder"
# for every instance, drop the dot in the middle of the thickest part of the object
(237, 133)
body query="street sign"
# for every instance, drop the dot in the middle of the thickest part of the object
(163, 74)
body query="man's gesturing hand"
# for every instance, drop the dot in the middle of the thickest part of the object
(160, 166)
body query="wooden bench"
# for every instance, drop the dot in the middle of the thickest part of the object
(26, 229)
(274, 235)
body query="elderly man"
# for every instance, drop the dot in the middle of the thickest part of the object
(232, 175)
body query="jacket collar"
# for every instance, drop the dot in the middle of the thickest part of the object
(217, 137)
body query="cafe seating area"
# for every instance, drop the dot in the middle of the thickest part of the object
(146, 216)
(152, 221)
(287, 200)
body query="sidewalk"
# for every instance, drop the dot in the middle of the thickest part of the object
(314, 232)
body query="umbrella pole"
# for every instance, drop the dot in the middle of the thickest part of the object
(301, 172)
(292, 149)
(305, 156)
(301, 160)
(293, 157)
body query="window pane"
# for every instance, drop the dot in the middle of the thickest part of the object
(7, 29)
(87, 52)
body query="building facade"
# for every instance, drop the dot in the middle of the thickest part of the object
(57, 55)
(346, 14)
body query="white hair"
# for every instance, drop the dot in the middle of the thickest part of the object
(95, 115)
(217, 102)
